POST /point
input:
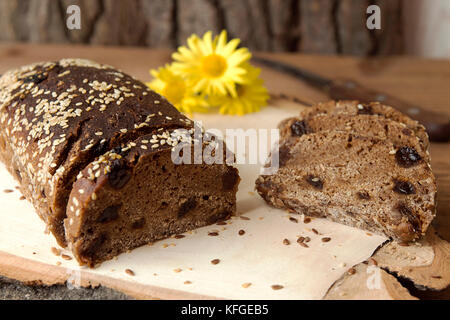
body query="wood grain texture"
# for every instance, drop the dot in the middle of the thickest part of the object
(359, 286)
(414, 262)
(310, 26)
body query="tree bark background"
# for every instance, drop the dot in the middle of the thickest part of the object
(310, 26)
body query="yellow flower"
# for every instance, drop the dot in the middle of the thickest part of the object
(176, 90)
(213, 66)
(251, 96)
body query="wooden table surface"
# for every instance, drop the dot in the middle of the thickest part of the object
(422, 81)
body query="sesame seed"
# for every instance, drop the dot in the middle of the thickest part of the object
(144, 147)
(99, 133)
(123, 130)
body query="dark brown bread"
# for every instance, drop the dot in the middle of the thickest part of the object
(354, 108)
(108, 215)
(360, 181)
(58, 117)
(375, 126)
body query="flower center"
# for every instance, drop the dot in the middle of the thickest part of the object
(214, 65)
(174, 91)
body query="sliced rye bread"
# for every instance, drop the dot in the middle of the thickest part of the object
(353, 108)
(108, 215)
(374, 126)
(360, 181)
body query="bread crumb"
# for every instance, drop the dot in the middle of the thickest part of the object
(215, 261)
(177, 270)
(246, 285)
(129, 272)
(66, 257)
(187, 282)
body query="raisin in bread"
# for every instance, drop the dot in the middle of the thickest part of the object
(108, 215)
(381, 182)
(366, 125)
(56, 118)
(294, 126)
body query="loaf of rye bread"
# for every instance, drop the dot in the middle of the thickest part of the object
(60, 122)
(370, 169)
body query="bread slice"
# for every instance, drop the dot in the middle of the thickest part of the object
(374, 126)
(366, 182)
(135, 194)
(294, 126)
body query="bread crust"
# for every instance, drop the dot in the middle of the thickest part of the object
(56, 118)
(365, 170)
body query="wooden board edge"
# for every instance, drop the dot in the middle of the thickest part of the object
(38, 273)
(435, 275)
(367, 284)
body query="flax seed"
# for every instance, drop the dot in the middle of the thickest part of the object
(304, 245)
(56, 251)
(129, 272)
(277, 287)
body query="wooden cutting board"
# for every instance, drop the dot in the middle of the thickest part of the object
(181, 268)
